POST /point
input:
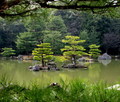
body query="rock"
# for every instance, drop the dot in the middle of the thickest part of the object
(13, 57)
(81, 59)
(57, 69)
(116, 87)
(70, 66)
(52, 65)
(54, 85)
(20, 57)
(30, 67)
(25, 57)
(36, 68)
(49, 67)
(105, 56)
(74, 66)
(85, 59)
(44, 68)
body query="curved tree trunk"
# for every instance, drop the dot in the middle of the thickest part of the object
(74, 59)
(43, 63)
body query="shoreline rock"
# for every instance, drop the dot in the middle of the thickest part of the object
(38, 68)
(105, 56)
(74, 66)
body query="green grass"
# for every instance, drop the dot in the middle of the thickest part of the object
(75, 91)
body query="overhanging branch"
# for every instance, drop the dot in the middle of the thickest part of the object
(78, 7)
(17, 14)
(72, 4)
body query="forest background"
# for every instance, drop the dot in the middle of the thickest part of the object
(52, 26)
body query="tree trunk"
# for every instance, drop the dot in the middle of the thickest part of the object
(43, 63)
(74, 60)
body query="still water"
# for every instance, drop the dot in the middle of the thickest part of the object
(108, 71)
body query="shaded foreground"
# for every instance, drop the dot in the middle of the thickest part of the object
(75, 91)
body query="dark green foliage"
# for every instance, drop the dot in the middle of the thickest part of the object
(36, 26)
(9, 32)
(7, 52)
(111, 41)
(55, 31)
(54, 38)
(57, 24)
(25, 42)
(91, 27)
(72, 20)
(81, 24)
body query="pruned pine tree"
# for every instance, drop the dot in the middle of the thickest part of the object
(7, 52)
(73, 49)
(43, 53)
(94, 50)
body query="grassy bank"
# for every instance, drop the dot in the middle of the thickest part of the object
(75, 91)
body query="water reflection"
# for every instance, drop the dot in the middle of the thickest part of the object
(94, 71)
(104, 62)
(18, 71)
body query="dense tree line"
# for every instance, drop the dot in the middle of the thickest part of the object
(9, 32)
(53, 26)
(95, 29)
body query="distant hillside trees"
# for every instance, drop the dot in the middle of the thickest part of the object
(25, 42)
(52, 26)
(55, 32)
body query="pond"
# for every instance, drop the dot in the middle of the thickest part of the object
(108, 71)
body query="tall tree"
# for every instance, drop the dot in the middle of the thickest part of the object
(57, 24)
(54, 38)
(72, 19)
(55, 31)
(91, 37)
(36, 26)
(25, 42)
(103, 27)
